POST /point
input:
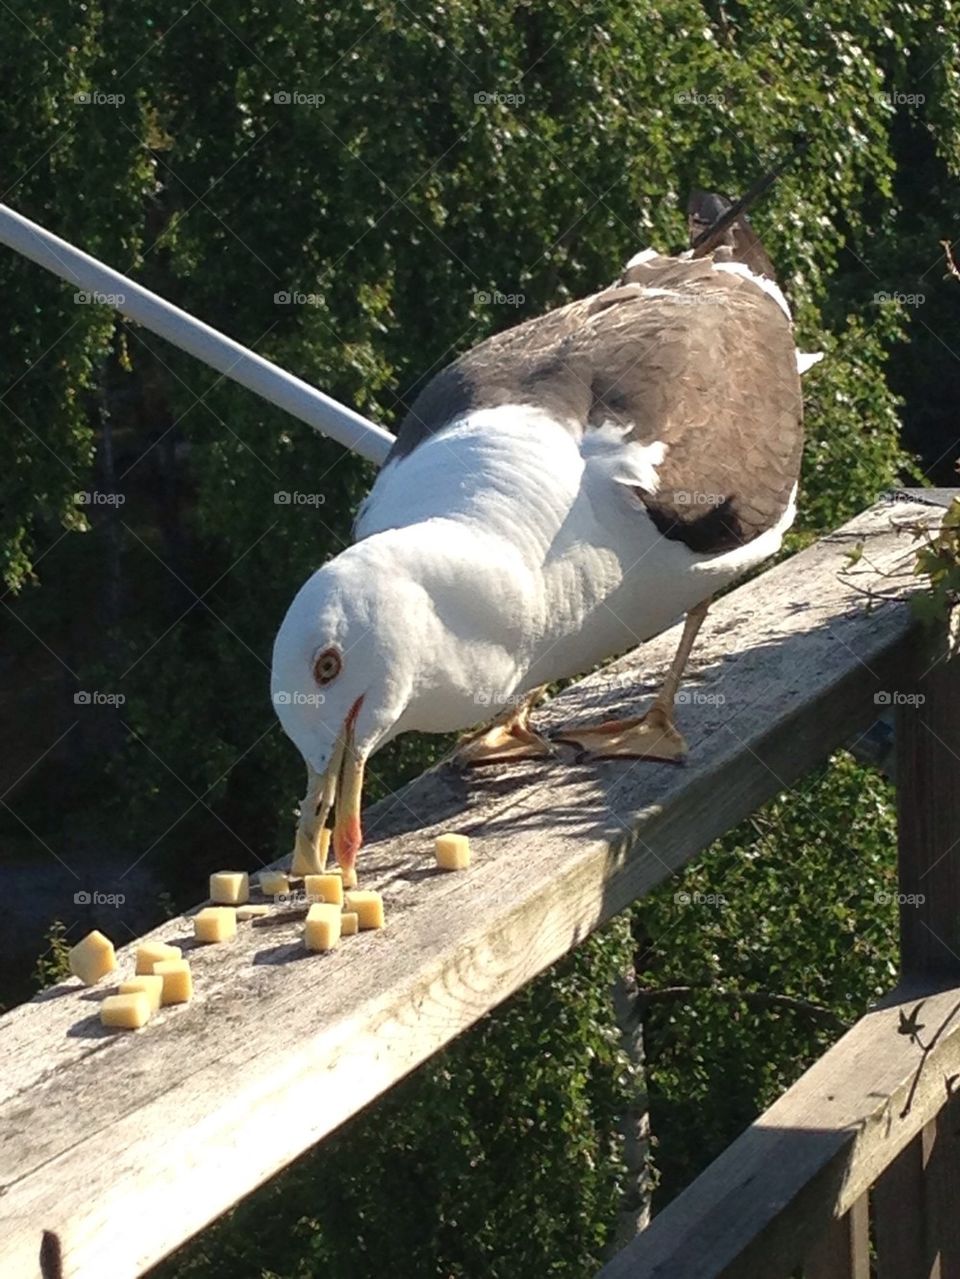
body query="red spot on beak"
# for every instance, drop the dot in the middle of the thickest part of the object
(347, 842)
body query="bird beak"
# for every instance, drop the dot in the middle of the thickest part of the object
(314, 811)
(347, 835)
(341, 782)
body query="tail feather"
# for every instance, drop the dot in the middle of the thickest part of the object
(740, 243)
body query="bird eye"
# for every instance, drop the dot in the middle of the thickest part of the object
(326, 666)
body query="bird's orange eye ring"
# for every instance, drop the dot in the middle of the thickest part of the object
(326, 665)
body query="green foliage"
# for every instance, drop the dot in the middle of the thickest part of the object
(800, 902)
(938, 559)
(53, 964)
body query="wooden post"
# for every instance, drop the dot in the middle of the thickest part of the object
(928, 801)
(844, 1250)
(899, 1213)
(941, 1185)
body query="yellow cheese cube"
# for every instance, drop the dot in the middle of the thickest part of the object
(349, 923)
(150, 985)
(177, 981)
(151, 953)
(324, 888)
(305, 862)
(215, 923)
(126, 1012)
(230, 887)
(452, 851)
(273, 882)
(92, 958)
(252, 912)
(367, 905)
(322, 930)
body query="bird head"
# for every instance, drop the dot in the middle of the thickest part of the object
(341, 678)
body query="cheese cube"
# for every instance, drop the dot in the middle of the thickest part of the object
(230, 887)
(452, 851)
(322, 931)
(177, 981)
(273, 882)
(151, 953)
(305, 862)
(349, 923)
(367, 905)
(92, 958)
(215, 923)
(150, 985)
(126, 1012)
(252, 912)
(324, 888)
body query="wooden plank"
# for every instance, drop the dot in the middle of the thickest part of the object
(844, 1250)
(941, 1149)
(759, 1208)
(899, 1217)
(122, 1147)
(928, 803)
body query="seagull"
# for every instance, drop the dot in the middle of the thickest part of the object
(563, 491)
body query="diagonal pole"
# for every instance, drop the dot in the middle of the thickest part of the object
(264, 378)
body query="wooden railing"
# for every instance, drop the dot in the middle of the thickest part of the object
(116, 1149)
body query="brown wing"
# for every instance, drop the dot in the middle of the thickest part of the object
(676, 352)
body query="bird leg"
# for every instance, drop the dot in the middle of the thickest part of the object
(651, 736)
(509, 737)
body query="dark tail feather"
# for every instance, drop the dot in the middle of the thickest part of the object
(739, 240)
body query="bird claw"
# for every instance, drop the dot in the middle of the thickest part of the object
(652, 736)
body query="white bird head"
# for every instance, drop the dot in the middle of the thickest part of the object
(343, 670)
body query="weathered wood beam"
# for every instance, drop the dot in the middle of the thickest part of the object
(123, 1146)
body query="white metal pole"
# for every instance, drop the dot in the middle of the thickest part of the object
(265, 379)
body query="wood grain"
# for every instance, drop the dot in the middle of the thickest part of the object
(124, 1145)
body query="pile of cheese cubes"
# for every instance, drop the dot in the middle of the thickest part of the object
(162, 977)
(336, 908)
